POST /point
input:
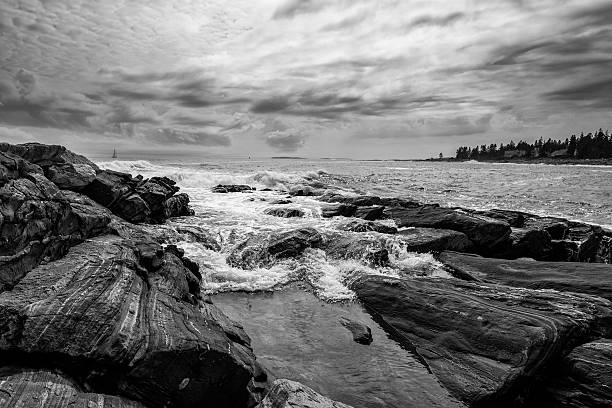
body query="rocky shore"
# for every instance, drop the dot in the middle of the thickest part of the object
(97, 309)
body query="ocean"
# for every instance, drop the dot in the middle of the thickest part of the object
(290, 327)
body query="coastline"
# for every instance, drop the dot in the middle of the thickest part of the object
(542, 160)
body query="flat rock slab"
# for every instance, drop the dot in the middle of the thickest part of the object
(47, 389)
(590, 278)
(485, 343)
(585, 379)
(117, 323)
(292, 394)
(434, 240)
(486, 233)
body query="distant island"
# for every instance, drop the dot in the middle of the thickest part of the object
(596, 148)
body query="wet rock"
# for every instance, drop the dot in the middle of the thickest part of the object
(23, 387)
(177, 206)
(582, 243)
(593, 279)
(200, 235)
(284, 212)
(486, 234)
(367, 226)
(584, 378)
(281, 202)
(367, 200)
(556, 227)
(362, 334)
(291, 394)
(264, 249)
(527, 243)
(71, 176)
(367, 249)
(303, 191)
(14, 167)
(46, 155)
(372, 213)
(102, 317)
(434, 240)
(486, 343)
(232, 188)
(338, 210)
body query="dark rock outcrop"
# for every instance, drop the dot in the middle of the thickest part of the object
(434, 240)
(264, 249)
(292, 394)
(527, 243)
(177, 206)
(48, 389)
(584, 378)
(281, 202)
(366, 226)
(364, 248)
(486, 343)
(362, 334)
(123, 318)
(594, 279)
(285, 212)
(338, 210)
(232, 188)
(487, 234)
(375, 212)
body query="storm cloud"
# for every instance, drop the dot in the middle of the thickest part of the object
(391, 76)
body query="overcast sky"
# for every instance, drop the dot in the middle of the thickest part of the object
(332, 78)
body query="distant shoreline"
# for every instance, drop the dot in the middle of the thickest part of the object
(541, 160)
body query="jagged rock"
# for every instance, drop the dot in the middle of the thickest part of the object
(486, 233)
(366, 226)
(200, 235)
(47, 155)
(177, 206)
(264, 249)
(364, 248)
(14, 167)
(582, 243)
(375, 212)
(556, 227)
(362, 334)
(284, 212)
(292, 394)
(527, 243)
(106, 320)
(21, 387)
(338, 210)
(486, 343)
(434, 240)
(155, 192)
(594, 279)
(73, 177)
(303, 191)
(232, 188)
(584, 379)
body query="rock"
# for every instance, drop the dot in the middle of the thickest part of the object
(367, 201)
(155, 192)
(485, 343)
(486, 234)
(372, 213)
(584, 378)
(264, 249)
(291, 394)
(281, 202)
(73, 177)
(556, 227)
(200, 235)
(177, 206)
(434, 240)
(593, 279)
(366, 226)
(527, 243)
(47, 389)
(104, 319)
(14, 167)
(582, 243)
(338, 210)
(362, 334)
(47, 155)
(284, 212)
(232, 188)
(303, 191)
(367, 249)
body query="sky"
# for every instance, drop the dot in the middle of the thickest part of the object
(313, 78)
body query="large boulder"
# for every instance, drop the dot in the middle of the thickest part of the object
(232, 188)
(487, 344)
(368, 249)
(292, 394)
(584, 378)
(284, 212)
(434, 240)
(366, 226)
(123, 318)
(527, 243)
(486, 233)
(23, 387)
(594, 279)
(264, 249)
(177, 206)
(71, 176)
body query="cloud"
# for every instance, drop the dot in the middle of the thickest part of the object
(285, 141)
(173, 136)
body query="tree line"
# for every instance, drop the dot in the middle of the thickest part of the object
(597, 145)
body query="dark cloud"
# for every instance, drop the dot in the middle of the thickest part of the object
(293, 7)
(285, 141)
(272, 105)
(438, 21)
(173, 136)
(593, 93)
